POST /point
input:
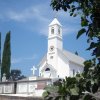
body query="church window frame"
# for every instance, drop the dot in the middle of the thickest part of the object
(52, 30)
(51, 48)
(73, 72)
(78, 72)
(47, 69)
(59, 31)
(51, 57)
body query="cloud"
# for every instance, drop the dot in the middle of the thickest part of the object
(19, 60)
(44, 31)
(39, 16)
(25, 15)
(14, 60)
(70, 24)
(70, 30)
(34, 16)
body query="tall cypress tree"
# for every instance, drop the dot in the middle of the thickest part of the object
(6, 57)
(0, 56)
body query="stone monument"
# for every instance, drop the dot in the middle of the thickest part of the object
(4, 78)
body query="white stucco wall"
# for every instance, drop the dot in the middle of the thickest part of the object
(56, 42)
(41, 66)
(45, 64)
(77, 68)
(26, 87)
(59, 63)
(39, 92)
(52, 61)
(63, 67)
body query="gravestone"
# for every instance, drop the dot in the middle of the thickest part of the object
(1, 89)
(22, 88)
(8, 88)
(32, 87)
(4, 78)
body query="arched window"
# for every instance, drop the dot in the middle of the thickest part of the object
(47, 69)
(52, 30)
(73, 72)
(59, 31)
(51, 57)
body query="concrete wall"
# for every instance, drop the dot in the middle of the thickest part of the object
(6, 97)
(24, 87)
(7, 87)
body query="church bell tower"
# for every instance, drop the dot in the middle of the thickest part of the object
(54, 44)
(55, 36)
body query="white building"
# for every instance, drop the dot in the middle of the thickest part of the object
(58, 62)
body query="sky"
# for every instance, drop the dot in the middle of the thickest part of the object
(28, 22)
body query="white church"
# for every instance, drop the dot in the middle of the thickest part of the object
(57, 62)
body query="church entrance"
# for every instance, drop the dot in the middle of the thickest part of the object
(48, 72)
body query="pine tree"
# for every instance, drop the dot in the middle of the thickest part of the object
(0, 56)
(6, 58)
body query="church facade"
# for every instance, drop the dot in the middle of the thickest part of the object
(57, 62)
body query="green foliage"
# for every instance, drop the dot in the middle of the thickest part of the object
(76, 53)
(81, 32)
(84, 86)
(6, 57)
(45, 94)
(15, 75)
(51, 92)
(89, 12)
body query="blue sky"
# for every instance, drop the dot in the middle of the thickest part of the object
(28, 22)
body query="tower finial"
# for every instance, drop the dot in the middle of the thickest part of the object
(55, 14)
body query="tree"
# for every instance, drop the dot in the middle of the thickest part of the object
(84, 86)
(89, 11)
(0, 56)
(15, 75)
(76, 53)
(6, 57)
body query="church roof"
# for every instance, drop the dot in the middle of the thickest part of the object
(55, 21)
(49, 66)
(69, 55)
(74, 58)
(43, 59)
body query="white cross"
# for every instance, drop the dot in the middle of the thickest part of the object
(33, 69)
